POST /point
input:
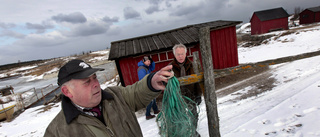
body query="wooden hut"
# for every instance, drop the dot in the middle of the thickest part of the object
(269, 20)
(128, 52)
(310, 15)
(8, 90)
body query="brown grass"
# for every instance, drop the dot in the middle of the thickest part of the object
(58, 63)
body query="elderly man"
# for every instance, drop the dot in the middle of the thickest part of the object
(182, 66)
(87, 110)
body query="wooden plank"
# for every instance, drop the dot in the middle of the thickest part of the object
(114, 51)
(136, 46)
(144, 45)
(194, 36)
(152, 45)
(195, 78)
(172, 39)
(166, 42)
(209, 84)
(179, 37)
(158, 42)
(185, 36)
(129, 48)
(197, 67)
(122, 49)
(193, 32)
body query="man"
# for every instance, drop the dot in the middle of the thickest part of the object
(88, 111)
(146, 66)
(182, 66)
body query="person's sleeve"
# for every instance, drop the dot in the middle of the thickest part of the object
(139, 94)
(152, 66)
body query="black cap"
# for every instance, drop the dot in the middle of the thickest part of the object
(145, 58)
(75, 69)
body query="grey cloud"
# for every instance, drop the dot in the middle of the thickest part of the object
(181, 11)
(41, 28)
(202, 11)
(155, 2)
(152, 9)
(92, 28)
(130, 13)
(9, 33)
(75, 17)
(7, 25)
(110, 20)
(41, 41)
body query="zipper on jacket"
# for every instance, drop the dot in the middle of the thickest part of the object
(109, 129)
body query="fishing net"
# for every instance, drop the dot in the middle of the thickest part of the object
(176, 118)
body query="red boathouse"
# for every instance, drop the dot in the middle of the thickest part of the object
(127, 53)
(310, 15)
(269, 20)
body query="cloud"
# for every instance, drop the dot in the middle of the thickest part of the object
(130, 13)
(87, 29)
(7, 25)
(40, 28)
(9, 33)
(74, 18)
(152, 9)
(110, 20)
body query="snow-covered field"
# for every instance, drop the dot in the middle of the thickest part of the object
(291, 108)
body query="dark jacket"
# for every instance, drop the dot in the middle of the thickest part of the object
(192, 91)
(118, 107)
(143, 70)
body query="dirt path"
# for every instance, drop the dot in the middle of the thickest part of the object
(258, 80)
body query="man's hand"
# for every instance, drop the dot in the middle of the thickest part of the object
(161, 75)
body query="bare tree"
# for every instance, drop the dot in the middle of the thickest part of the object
(297, 11)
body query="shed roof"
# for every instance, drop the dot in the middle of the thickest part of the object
(163, 40)
(271, 14)
(314, 9)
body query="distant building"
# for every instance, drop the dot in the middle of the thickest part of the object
(310, 15)
(269, 20)
(127, 53)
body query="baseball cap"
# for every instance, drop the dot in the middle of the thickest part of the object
(75, 69)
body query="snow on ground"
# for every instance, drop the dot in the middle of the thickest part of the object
(290, 109)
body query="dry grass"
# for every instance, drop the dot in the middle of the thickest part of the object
(58, 63)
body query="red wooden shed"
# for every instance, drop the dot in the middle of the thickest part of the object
(269, 20)
(127, 53)
(310, 15)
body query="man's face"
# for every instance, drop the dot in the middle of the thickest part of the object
(85, 92)
(147, 63)
(180, 55)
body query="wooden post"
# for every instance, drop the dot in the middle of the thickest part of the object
(209, 84)
(35, 92)
(196, 62)
(197, 67)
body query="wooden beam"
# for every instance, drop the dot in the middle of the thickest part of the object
(198, 77)
(209, 84)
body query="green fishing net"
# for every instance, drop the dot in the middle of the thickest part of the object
(176, 118)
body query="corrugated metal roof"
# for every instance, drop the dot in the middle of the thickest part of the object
(163, 40)
(314, 9)
(271, 14)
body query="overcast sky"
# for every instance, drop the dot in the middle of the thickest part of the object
(42, 29)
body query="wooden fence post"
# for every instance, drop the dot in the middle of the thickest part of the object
(197, 68)
(209, 84)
